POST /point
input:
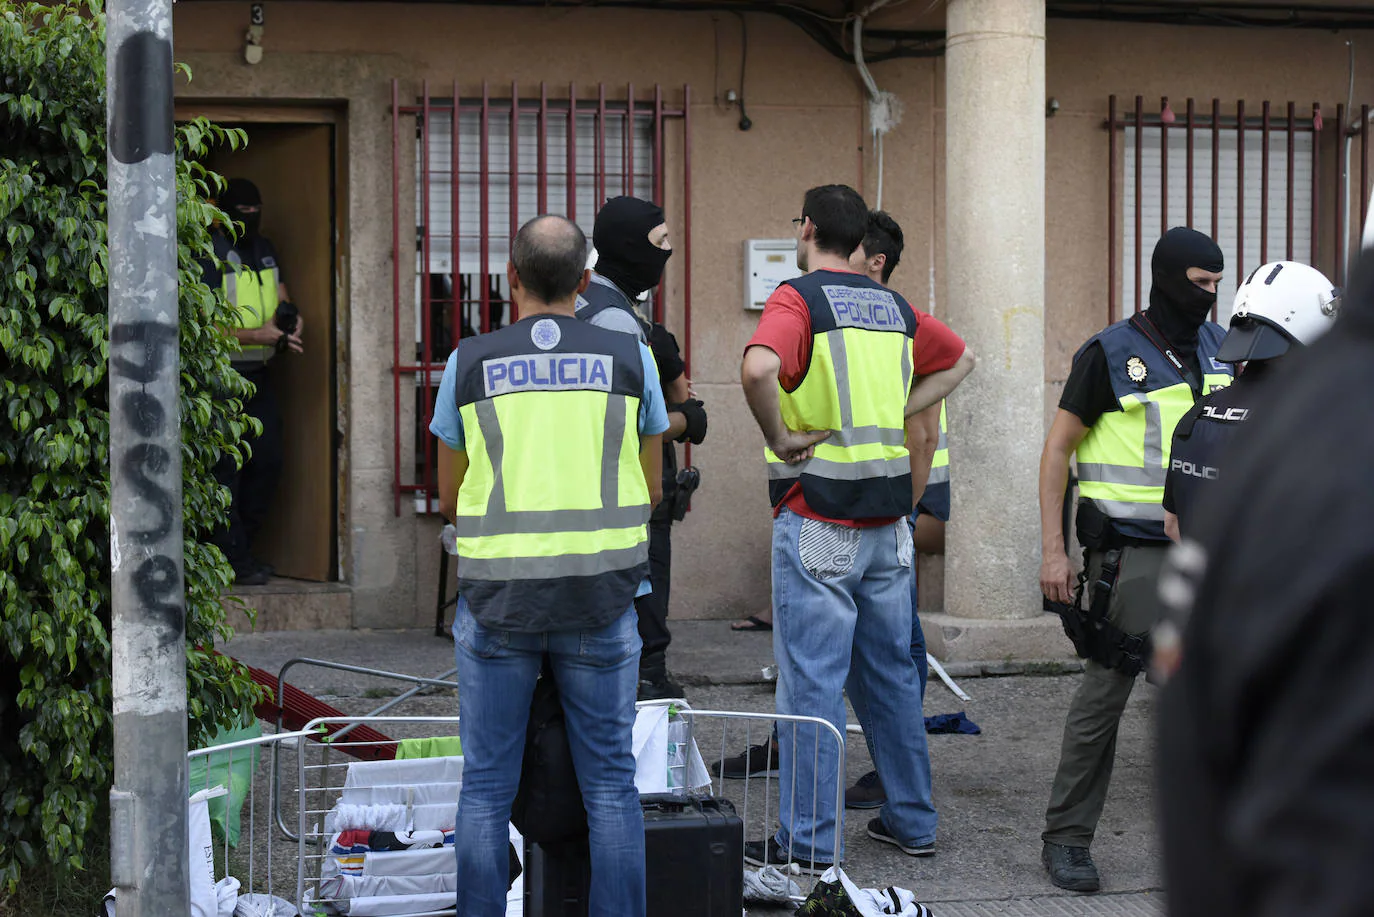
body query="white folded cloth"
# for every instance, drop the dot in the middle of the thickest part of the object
(408, 771)
(422, 794)
(410, 886)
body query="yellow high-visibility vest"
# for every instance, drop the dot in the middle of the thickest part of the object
(939, 465)
(254, 297)
(1124, 459)
(552, 514)
(856, 386)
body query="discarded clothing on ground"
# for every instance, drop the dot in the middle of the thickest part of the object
(836, 896)
(258, 905)
(769, 885)
(943, 723)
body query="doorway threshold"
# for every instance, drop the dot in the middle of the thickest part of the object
(290, 604)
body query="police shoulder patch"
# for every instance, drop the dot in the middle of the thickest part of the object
(1136, 370)
(546, 334)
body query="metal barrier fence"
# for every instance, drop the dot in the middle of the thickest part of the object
(323, 772)
(245, 846)
(291, 779)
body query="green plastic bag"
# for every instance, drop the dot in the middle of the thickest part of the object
(232, 769)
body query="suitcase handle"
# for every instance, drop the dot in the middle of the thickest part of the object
(668, 802)
(671, 802)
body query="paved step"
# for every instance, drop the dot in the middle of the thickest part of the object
(290, 604)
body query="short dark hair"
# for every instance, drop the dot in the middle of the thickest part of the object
(884, 237)
(840, 216)
(550, 254)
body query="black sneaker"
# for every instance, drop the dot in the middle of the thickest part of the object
(771, 853)
(878, 831)
(760, 760)
(867, 793)
(660, 686)
(1071, 867)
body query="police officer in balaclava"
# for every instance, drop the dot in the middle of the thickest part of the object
(1129, 385)
(266, 323)
(1185, 269)
(632, 249)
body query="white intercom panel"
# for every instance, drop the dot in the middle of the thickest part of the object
(767, 263)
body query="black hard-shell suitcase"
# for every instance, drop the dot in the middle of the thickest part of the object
(693, 856)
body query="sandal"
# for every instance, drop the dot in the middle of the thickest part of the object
(751, 623)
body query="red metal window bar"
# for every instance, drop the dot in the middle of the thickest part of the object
(459, 288)
(1241, 215)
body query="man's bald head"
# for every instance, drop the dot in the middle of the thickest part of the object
(549, 256)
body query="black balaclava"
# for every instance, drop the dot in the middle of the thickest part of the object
(1178, 307)
(624, 255)
(242, 193)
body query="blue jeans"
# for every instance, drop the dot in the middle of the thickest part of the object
(597, 673)
(918, 636)
(842, 621)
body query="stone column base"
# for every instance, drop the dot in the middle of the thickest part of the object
(995, 643)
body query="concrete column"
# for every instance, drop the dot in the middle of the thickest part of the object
(994, 279)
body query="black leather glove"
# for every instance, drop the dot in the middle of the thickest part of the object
(695, 412)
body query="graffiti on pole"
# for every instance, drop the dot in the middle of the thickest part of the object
(151, 348)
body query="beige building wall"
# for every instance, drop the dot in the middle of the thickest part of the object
(808, 128)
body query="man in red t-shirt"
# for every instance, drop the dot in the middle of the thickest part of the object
(833, 378)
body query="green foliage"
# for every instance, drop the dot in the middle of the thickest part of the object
(55, 718)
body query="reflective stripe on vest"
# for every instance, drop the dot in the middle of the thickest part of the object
(939, 465)
(855, 387)
(253, 294)
(1124, 458)
(554, 487)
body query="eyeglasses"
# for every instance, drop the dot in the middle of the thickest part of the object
(797, 221)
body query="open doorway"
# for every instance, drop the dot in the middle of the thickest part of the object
(294, 167)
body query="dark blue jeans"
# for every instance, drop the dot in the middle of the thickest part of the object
(597, 673)
(918, 636)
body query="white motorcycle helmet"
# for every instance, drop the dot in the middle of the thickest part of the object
(1281, 304)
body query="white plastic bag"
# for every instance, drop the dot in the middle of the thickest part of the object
(204, 898)
(208, 897)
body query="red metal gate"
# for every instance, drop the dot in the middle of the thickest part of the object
(609, 146)
(1238, 213)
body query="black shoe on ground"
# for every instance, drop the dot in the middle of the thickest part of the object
(659, 686)
(760, 760)
(249, 575)
(867, 793)
(878, 831)
(1071, 867)
(771, 853)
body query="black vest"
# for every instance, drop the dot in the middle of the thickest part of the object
(1200, 442)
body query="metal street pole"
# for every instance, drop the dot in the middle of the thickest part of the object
(149, 856)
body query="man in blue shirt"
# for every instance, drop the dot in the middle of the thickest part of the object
(538, 472)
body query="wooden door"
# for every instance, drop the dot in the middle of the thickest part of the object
(293, 167)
